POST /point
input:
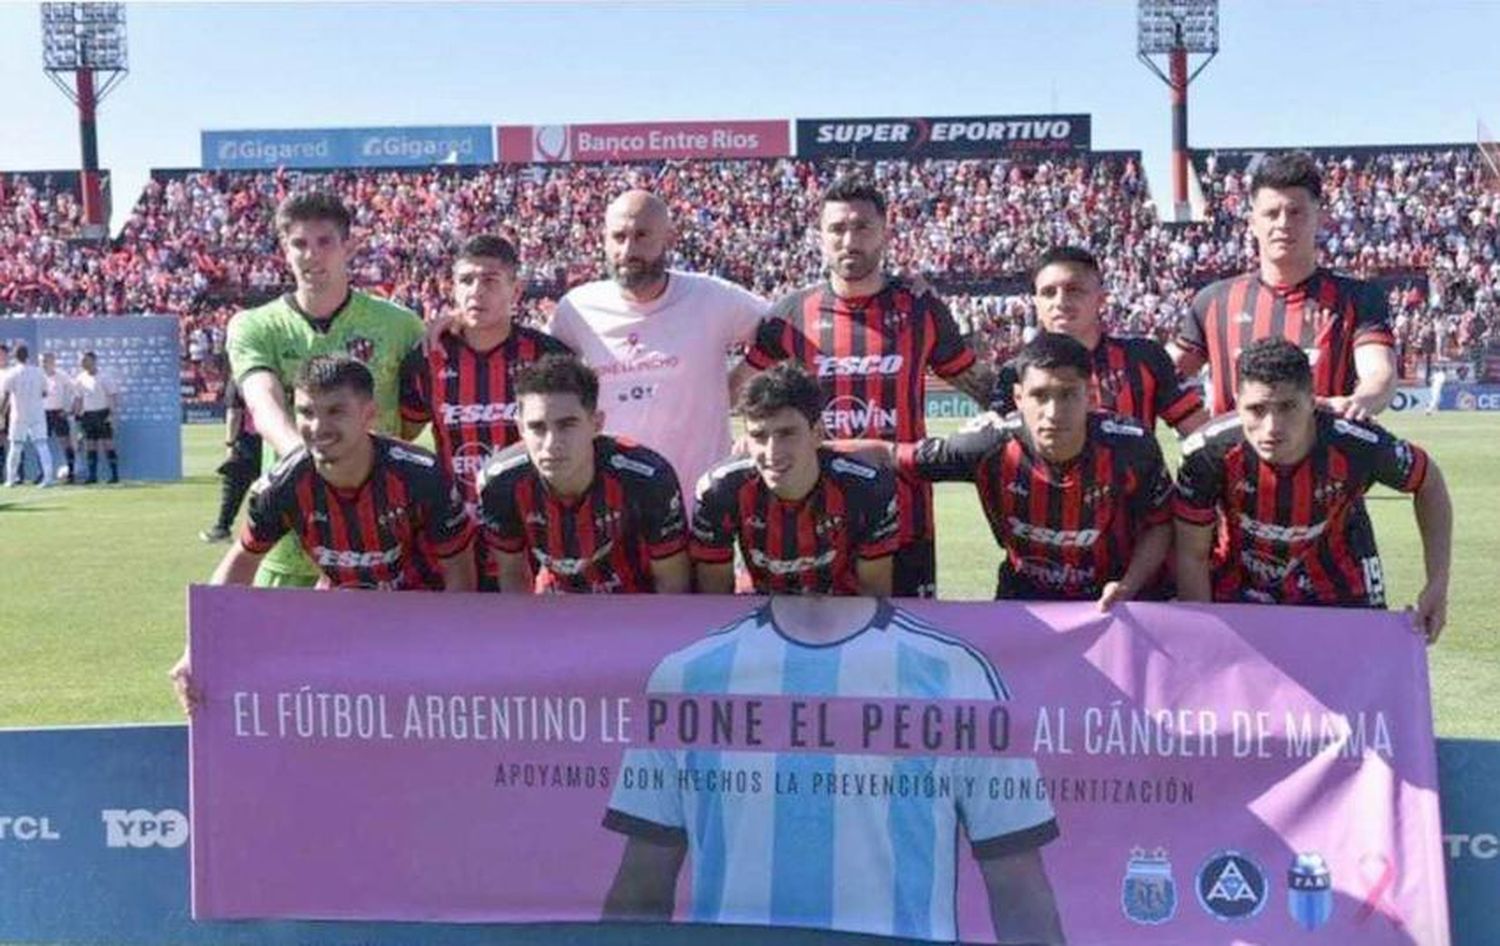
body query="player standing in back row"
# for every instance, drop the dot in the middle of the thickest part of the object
(268, 345)
(464, 384)
(869, 339)
(1343, 324)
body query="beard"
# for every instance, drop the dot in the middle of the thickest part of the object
(643, 273)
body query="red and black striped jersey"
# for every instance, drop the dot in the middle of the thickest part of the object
(388, 533)
(469, 396)
(1298, 535)
(805, 547)
(1133, 377)
(1327, 315)
(1068, 529)
(871, 356)
(602, 542)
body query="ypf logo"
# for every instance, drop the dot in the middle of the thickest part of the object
(140, 828)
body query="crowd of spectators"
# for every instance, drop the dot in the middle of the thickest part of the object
(200, 245)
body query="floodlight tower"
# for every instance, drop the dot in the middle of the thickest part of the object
(88, 40)
(1176, 29)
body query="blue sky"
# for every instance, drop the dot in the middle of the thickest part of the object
(1289, 72)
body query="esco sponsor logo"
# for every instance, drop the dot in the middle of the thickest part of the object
(347, 558)
(1285, 534)
(1484, 847)
(792, 566)
(573, 566)
(830, 366)
(27, 828)
(459, 414)
(139, 828)
(1062, 538)
(850, 416)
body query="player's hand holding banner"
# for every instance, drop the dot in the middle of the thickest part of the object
(1158, 774)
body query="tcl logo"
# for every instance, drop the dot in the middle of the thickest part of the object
(841, 367)
(478, 413)
(26, 828)
(1484, 847)
(141, 828)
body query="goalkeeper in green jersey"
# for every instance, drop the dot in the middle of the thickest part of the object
(323, 315)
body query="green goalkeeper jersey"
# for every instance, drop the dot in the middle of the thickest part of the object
(278, 337)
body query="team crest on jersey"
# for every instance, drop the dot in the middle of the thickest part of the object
(1232, 887)
(361, 349)
(1149, 894)
(828, 524)
(1328, 491)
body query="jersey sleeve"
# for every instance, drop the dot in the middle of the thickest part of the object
(743, 312)
(500, 519)
(447, 528)
(270, 511)
(1152, 500)
(950, 355)
(415, 387)
(1372, 317)
(1191, 335)
(1397, 463)
(954, 457)
(664, 518)
(251, 345)
(713, 532)
(551, 345)
(1200, 484)
(1003, 395)
(879, 532)
(650, 807)
(565, 324)
(1175, 401)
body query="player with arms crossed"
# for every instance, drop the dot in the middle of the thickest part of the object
(806, 519)
(1080, 500)
(464, 382)
(371, 511)
(884, 862)
(1269, 499)
(594, 514)
(1132, 377)
(869, 339)
(1342, 323)
(322, 316)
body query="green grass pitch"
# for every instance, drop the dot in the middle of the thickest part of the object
(92, 581)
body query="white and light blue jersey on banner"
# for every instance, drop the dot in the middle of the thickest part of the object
(865, 843)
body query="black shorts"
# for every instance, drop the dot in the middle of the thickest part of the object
(58, 426)
(914, 570)
(96, 425)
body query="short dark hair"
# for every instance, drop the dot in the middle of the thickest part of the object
(5, 348)
(785, 385)
(1068, 255)
(22, 353)
(559, 374)
(489, 246)
(89, 354)
(1274, 361)
(313, 206)
(1286, 170)
(326, 373)
(1052, 350)
(850, 188)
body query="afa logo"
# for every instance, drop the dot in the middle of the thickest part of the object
(1309, 891)
(1149, 894)
(361, 349)
(1231, 887)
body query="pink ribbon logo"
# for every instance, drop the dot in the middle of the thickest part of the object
(1379, 874)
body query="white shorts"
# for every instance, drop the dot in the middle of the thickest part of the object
(37, 433)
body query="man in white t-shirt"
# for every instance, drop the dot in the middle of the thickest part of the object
(658, 339)
(24, 388)
(96, 403)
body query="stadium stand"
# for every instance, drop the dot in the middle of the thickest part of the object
(199, 244)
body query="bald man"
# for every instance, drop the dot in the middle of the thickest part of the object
(657, 338)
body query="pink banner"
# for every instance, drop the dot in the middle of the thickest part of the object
(1162, 774)
(642, 141)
